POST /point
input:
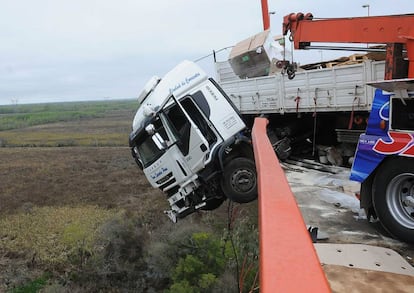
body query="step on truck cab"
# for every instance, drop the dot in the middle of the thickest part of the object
(191, 142)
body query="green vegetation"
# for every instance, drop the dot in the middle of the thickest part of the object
(33, 286)
(100, 250)
(51, 235)
(54, 138)
(197, 258)
(104, 123)
(20, 116)
(200, 265)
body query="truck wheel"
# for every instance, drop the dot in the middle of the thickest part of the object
(393, 197)
(239, 182)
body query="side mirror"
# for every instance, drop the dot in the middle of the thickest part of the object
(150, 129)
(159, 141)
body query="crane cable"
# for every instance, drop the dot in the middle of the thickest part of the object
(289, 66)
(229, 237)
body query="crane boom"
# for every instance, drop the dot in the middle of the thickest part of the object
(396, 31)
(265, 15)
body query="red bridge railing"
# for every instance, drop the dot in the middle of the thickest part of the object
(288, 260)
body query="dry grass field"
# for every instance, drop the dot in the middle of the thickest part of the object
(62, 177)
(77, 162)
(77, 214)
(70, 176)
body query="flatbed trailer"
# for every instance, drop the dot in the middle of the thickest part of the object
(339, 88)
(320, 112)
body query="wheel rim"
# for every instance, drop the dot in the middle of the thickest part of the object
(243, 181)
(400, 199)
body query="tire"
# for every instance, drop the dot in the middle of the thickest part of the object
(393, 197)
(239, 182)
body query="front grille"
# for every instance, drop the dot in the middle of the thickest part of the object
(347, 135)
(165, 178)
(168, 183)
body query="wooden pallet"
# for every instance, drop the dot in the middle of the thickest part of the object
(357, 57)
(349, 60)
(331, 64)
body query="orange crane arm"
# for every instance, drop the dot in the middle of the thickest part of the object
(392, 29)
(371, 29)
(265, 15)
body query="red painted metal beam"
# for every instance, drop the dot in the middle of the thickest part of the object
(389, 29)
(288, 260)
(265, 15)
(368, 29)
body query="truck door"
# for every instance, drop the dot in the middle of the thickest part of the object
(191, 141)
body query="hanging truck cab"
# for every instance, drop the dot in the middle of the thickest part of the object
(190, 142)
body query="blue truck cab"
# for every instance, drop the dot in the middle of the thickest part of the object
(384, 160)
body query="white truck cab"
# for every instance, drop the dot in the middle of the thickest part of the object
(190, 141)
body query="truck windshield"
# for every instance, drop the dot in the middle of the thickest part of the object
(146, 149)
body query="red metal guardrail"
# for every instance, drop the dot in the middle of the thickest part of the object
(288, 260)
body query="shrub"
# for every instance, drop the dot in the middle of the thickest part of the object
(198, 269)
(244, 239)
(120, 263)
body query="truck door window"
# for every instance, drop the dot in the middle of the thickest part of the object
(199, 119)
(147, 150)
(402, 114)
(202, 103)
(181, 127)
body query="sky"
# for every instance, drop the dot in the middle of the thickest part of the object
(78, 50)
